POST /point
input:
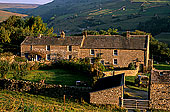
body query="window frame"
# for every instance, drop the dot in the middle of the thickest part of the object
(47, 47)
(114, 61)
(115, 53)
(69, 48)
(31, 47)
(48, 57)
(92, 61)
(91, 52)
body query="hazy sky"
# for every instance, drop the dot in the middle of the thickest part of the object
(26, 1)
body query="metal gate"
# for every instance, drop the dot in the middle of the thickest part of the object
(135, 104)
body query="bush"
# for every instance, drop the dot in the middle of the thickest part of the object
(4, 68)
(20, 59)
(132, 66)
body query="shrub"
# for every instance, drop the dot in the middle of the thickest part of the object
(132, 66)
(20, 59)
(4, 68)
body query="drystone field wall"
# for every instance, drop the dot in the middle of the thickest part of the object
(160, 96)
(50, 90)
(107, 96)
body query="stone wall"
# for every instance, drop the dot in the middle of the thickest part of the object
(124, 57)
(50, 90)
(127, 72)
(107, 96)
(160, 96)
(55, 51)
(160, 89)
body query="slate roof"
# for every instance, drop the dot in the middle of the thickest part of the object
(160, 76)
(72, 40)
(117, 42)
(92, 42)
(109, 82)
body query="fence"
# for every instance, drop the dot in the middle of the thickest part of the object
(135, 104)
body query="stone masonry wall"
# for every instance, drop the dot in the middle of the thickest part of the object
(160, 96)
(124, 57)
(55, 51)
(50, 90)
(107, 96)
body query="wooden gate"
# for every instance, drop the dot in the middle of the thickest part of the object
(135, 104)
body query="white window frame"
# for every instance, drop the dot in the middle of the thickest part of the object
(91, 60)
(47, 47)
(114, 61)
(91, 51)
(114, 52)
(47, 57)
(68, 48)
(68, 57)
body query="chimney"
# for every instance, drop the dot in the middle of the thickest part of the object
(62, 34)
(85, 33)
(128, 34)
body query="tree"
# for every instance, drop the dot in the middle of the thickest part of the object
(4, 68)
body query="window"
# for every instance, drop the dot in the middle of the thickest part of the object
(102, 62)
(91, 51)
(48, 57)
(31, 47)
(115, 52)
(69, 57)
(115, 61)
(69, 48)
(161, 73)
(47, 47)
(92, 60)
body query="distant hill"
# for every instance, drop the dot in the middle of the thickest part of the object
(76, 15)
(164, 37)
(4, 15)
(9, 9)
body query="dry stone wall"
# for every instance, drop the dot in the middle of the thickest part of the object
(107, 96)
(50, 90)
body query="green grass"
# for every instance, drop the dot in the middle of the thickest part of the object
(162, 66)
(17, 101)
(130, 82)
(55, 76)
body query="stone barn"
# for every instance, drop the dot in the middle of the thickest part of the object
(160, 89)
(108, 90)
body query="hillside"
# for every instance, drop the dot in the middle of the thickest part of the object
(76, 15)
(4, 15)
(9, 9)
(17, 101)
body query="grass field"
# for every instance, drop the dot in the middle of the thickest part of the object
(55, 76)
(162, 66)
(130, 82)
(23, 102)
(4, 15)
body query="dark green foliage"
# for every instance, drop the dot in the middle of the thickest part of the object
(20, 59)
(20, 70)
(110, 31)
(131, 66)
(15, 29)
(4, 68)
(156, 25)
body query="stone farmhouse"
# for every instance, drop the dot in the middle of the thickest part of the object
(160, 89)
(117, 50)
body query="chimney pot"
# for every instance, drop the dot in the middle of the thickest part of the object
(128, 34)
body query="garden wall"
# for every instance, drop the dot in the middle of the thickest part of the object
(127, 72)
(50, 90)
(107, 96)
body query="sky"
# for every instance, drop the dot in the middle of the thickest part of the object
(26, 1)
